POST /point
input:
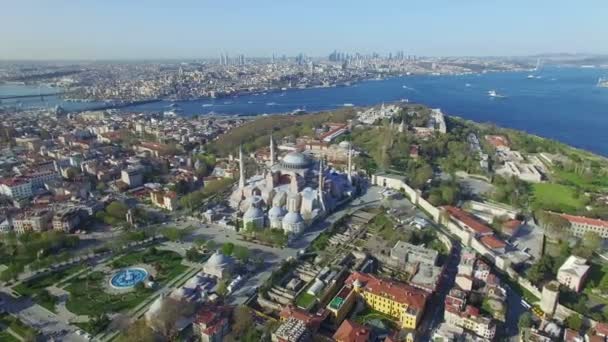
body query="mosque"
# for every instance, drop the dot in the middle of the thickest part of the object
(291, 193)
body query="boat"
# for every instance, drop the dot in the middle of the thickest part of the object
(348, 105)
(271, 104)
(536, 68)
(404, 100)
(602, 82)
(208, 105)
(298, 111)
(494, 94)
(467, 84)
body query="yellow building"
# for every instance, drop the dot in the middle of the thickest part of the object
(164, 199)
(404, 303)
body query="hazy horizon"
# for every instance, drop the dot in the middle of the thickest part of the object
(69, 30)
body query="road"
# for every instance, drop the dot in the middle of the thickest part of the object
(436, 306)
(49, 324)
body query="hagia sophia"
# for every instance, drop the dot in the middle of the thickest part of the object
(291, 193)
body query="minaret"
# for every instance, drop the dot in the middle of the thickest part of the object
(241, 168)
(320, 187)
(350, 164)
(272, 161)
(402, 126)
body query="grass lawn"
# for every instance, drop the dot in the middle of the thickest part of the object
(89, 297)
(385, 228)
(594, 184)
(34, 287)
(369, 314)
(305, 300)
(555, 197)
(16, 325)
(6, 337)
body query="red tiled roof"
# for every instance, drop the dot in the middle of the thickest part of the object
(399, 292)
(332, 131)
(497, 140)
(350, 331)
(512, 224)
(602, 329)
(472, 311)
(585, 220)
(571, 335)
(310, 320)
(467, 219)
(596, 338)
(492, 242)
(10, 182)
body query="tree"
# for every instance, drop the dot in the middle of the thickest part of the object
(228, 248)
(592, 241)
(525, 321)
(165, 320)
(241, 253)
(139, 331)
(541, 270)
(117, 210)
(222, 288)
(173, 233)
(555, 226)
(574, 322)
(243, 320)
(422, 175)
(101, 186)
(192, 254)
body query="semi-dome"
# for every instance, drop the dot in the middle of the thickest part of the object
(293, 218)
(218, 260)
(276, 213)
(295, 160)
(253, 213)
(344, 144)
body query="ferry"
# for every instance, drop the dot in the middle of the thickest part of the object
(494, 94)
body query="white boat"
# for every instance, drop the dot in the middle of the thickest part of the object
(271, 104)
(208, 105)
(348, 105)
(298, 111)
(404, 100)
(467, 85)
(494, 94)
(536, 68)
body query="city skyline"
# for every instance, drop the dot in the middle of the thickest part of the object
(36, 30)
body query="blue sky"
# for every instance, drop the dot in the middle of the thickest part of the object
(109, 29)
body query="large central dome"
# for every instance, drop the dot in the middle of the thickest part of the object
(295, 160)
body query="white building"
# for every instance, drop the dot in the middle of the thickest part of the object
(133, 177)
(16, 188)
(579, 225)
(573, 273)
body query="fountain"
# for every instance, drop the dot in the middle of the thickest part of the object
(128, 277)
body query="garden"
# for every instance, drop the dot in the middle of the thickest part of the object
(89, 295)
